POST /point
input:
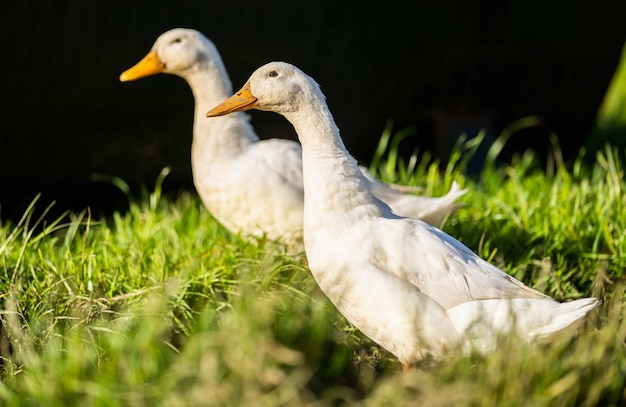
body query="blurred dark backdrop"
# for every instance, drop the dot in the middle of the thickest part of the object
(444, 66)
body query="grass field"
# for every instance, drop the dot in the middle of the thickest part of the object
(160, 306)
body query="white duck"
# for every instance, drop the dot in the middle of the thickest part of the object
(405, 284)
(248, 185)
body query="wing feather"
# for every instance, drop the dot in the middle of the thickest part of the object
(441, 266)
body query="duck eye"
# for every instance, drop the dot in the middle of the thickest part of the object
(176, 41)
(273, 74)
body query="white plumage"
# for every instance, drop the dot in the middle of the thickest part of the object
(407, 285)
(249, 185)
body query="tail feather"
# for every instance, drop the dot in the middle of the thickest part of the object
(429, 209)
(568, 315)
(481, 322)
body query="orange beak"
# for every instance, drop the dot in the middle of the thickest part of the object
(240, 101)
(149, 65)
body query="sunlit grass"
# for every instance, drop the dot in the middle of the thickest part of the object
(161, 306)
(610, 125)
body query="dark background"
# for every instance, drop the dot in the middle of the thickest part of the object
(443, 66)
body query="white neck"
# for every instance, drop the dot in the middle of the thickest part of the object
(219, 137)
(317, 130)
(333, 182)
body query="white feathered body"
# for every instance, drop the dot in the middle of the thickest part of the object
(407, 285)
(254, 186)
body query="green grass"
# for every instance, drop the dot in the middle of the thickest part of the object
(610, 125)
(160, 306)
